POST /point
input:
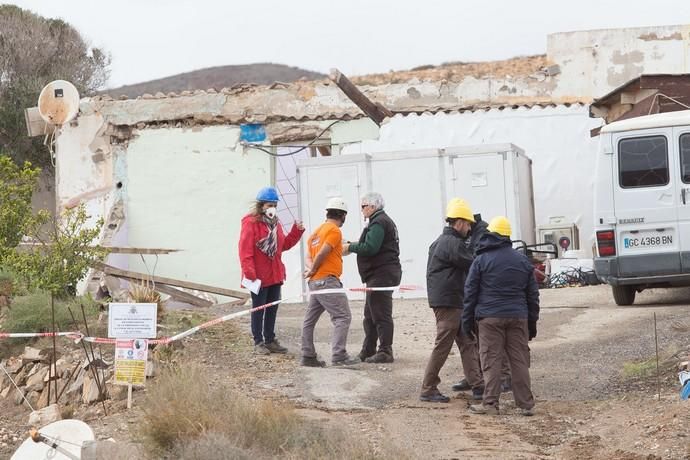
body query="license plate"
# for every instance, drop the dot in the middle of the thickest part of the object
(647, 240)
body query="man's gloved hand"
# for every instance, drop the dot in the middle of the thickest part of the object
(532, 328)
(467, 327)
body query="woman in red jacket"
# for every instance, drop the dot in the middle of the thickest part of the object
(262, 242)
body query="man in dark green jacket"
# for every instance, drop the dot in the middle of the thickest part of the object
(378, 261)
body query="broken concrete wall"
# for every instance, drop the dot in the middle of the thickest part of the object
(173, 187)
(188, 189)
(594, 62)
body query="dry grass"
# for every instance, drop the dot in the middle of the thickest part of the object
(646, 369)
(187, 417)
(143, 293)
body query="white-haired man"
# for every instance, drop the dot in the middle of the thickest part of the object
(378, 261)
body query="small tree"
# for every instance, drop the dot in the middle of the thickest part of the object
(17, 183)
(34, 51)
(59, 257)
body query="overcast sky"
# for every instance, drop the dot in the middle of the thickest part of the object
(155, 38)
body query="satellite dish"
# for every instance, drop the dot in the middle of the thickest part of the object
(58, 102)
(60, 440)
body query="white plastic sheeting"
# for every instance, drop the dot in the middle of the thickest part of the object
(557, 140)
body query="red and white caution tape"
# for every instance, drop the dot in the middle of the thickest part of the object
(23, 335)
(402, 287)
(78, 336)
(206, 325)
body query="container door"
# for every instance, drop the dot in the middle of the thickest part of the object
(322, 183)
(646, 199)
(480, 180)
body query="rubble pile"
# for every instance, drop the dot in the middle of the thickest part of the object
(72, 376)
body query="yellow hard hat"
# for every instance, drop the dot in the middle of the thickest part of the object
(459, 209)
(500, 225)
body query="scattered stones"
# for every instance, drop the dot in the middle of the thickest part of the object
(43, 400)
(45, 416)
(117, 392)
(36, 382)
(35, 355)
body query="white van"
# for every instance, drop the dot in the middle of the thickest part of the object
(642, 204)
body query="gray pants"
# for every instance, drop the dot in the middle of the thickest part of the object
(337, 307)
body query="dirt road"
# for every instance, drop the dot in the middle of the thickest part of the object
(585, 408)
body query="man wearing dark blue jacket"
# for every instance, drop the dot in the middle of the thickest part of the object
(501, 294)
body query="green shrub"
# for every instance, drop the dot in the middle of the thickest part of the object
(32, 313)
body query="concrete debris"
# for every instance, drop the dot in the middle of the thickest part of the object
(116, 392)
(151, 369)
(90, 393)
(34, 354)
(45, 416)
(96, 361)
(43, 399)
(13, 365)
(37, 381)
(77, 383)
(18, 397)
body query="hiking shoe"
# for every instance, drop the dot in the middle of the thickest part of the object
(483, 410)
(312, 362)
(363, 355)
(275, 347)
(438, 397)
(380, 357)
(478, 393)
(527, 412)
(261, 349)
(462, 385)
(347, 362)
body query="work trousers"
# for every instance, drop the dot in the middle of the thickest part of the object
(447, 332)
(378, 315)
(509, 337)
(264, 321)
(337, 307)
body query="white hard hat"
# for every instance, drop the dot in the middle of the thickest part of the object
(336, 203)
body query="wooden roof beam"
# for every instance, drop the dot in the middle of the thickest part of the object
(375, 111)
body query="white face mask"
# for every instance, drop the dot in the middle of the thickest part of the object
(270, 212)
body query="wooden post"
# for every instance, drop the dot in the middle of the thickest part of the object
(53, 360)
(376, 112)
(129, 395)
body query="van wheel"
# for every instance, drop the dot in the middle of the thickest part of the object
(623, 295)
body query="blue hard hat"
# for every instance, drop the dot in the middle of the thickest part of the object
(269, 194)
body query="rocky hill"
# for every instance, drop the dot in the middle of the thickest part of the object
(217, 78)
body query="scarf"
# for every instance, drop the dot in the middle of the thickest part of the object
(269, 244)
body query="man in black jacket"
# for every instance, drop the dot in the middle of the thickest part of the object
(501, 294)
(449, 260)
(378, 261)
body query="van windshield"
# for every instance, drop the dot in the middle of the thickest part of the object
(643, 162)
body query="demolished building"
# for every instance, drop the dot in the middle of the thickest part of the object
(175, 170)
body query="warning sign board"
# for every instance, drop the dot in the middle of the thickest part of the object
(132, 320)
(130, 361)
